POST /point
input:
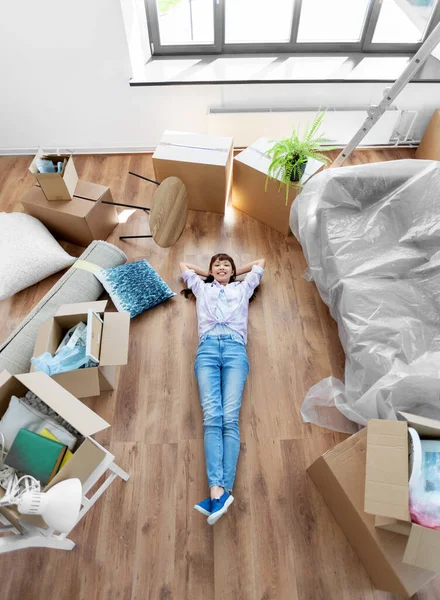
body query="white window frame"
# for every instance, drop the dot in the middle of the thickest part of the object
(365, 44)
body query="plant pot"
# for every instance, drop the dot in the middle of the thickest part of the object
(298, 172)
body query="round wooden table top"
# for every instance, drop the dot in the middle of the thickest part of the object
(168, 213)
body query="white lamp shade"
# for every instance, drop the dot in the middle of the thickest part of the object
(59, 506)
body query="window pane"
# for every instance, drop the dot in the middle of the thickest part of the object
(332, 20)
(186, 21)
(249, 21)
(403, 21)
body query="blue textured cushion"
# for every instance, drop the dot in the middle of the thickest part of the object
(134, 287)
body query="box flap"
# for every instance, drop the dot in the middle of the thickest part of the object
(90, 191)
(386, 483)
(82, 464)
(254, 155)
(48, 338)
(42, 342)
(63, 402)
(5, 376)
(394, 525)
(423, 548)
(70, 176)
(426, 428)
(194, 148)
(81, 308)
(94, 335)
(114, 345)
(9, 386)
(81, 383)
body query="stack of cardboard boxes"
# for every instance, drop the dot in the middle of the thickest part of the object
(71, 208)
(364, 482)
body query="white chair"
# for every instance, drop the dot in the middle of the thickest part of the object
(12, 538)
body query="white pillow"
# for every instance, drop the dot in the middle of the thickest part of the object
(28, 253)
(20, 415)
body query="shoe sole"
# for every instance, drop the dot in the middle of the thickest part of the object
(202, 510)
(216, 516)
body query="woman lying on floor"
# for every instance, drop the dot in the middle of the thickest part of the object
(221, 367)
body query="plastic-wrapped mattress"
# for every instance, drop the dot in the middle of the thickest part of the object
(371, 238)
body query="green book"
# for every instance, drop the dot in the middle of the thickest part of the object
(35, 455)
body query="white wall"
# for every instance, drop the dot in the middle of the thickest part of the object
(65, 73)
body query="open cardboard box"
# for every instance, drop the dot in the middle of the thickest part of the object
(386, 486)
(339, 475)
(56, 186)
(110, 346)
(86, 457)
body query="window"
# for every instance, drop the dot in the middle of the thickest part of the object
(293, 26)
(264, 26)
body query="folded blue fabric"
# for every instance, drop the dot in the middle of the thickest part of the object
(134, 287)
(45, 166)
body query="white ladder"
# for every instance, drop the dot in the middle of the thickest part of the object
(375, 112)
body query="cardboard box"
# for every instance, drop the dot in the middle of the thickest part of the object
(112, 350)
(85, 458)
(386, 485)
(202, 162)
(248, 190)
(339, 475)
(394, 525)
(56, 186)
(429, 147)
(80, 220)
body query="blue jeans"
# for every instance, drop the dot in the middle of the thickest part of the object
(221, 369)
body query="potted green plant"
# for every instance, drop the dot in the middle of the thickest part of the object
(290, 155)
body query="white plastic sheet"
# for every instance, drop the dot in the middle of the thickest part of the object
(371, 238)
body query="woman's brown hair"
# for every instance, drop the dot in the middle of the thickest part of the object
(222, 256)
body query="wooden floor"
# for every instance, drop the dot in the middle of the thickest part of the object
(143, 540)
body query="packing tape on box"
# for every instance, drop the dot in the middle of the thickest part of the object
(193, 147)
(258, 151)
(85, 265)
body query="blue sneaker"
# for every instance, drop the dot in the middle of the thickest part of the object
(219, 507)
(204, 507)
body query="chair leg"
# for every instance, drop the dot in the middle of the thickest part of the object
(33, 540)
(129, 237)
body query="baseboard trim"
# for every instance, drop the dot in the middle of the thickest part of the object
(151, 149)
(119, 150)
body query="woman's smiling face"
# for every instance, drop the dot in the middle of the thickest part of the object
(221, 270)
